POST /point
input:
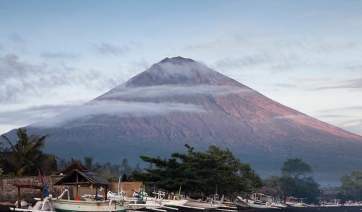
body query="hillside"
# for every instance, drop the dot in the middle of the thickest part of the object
(178, 101)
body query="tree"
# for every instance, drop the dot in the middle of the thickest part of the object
(290, 183)
(138, 168)
(352, 185)
(274, 185)
(88, 162)
(27, 152)
(214, 170)
(308, 188)
(125, 167)
(62, 163)
(295, 168)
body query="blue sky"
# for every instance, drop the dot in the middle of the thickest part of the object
(56, 55)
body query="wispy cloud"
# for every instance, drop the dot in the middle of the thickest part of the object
(17, 39)
(172, 90)
(15, 81)
(351, 108)
(347, 84)
(109, 49)
(118, 108)
(245, 61)
(59, 55)
(19, 43)
(20, 80)
(290, 117)
(34, 113)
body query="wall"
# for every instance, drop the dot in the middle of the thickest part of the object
(9, 192)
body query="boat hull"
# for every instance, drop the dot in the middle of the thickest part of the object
(88, 206)
(322, 209)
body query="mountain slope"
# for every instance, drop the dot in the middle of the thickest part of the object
(178, 101)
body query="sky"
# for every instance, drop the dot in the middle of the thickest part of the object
(57, 55)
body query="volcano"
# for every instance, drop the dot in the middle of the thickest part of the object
(179, 101)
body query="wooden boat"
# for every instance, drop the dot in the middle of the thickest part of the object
(81, 178)
(141, 200)
(42, 204)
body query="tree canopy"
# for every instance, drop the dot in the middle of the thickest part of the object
(296, 168)
(352, 185)
(294, 182)
(214, 169)
(25, 154)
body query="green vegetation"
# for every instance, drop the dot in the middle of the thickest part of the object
(295, 168)
(24, 157)
(351, 188)
(294, 181)
(214, 169)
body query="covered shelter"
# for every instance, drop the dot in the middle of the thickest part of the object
(41, 189)
(83, 178)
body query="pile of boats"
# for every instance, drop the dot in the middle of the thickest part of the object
(120, 202)
(108, 201)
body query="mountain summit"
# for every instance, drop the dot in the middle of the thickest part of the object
(179, 101)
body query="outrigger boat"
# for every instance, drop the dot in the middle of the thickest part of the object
(80, 179)
(141, 200)
(42, 204)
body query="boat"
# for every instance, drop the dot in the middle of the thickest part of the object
(258, 201)
(296, 202)
(331, 203)
(68, 205)
(94, 202)
(141, 200)
(208, 204)
(41, 205)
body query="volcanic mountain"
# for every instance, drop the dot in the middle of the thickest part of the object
(179, 101)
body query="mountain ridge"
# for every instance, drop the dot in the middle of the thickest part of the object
(179, 101)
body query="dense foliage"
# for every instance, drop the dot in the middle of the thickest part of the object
(214, 170)
(24, 157)
(351, 188)
(296, 168)
(294, 182)
(207, 172)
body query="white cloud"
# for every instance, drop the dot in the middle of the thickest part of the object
(59, 55)
(290, 117)
(118, 108)
(172, 90)
(109, 49)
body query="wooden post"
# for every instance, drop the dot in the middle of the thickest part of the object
(92, 191)
(19, 201)
(105, 192)
(41, 194)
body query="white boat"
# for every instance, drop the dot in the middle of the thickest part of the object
(259, 201)
(333, 203)
(67, 205)
(42, 205)
(141, 200)
(296, 202)
(91, 202)
(208, 204)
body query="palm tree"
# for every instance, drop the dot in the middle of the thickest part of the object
(27, 153)
(88, 162)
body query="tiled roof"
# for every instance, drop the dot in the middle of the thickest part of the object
(71, 167)
(77, 176)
